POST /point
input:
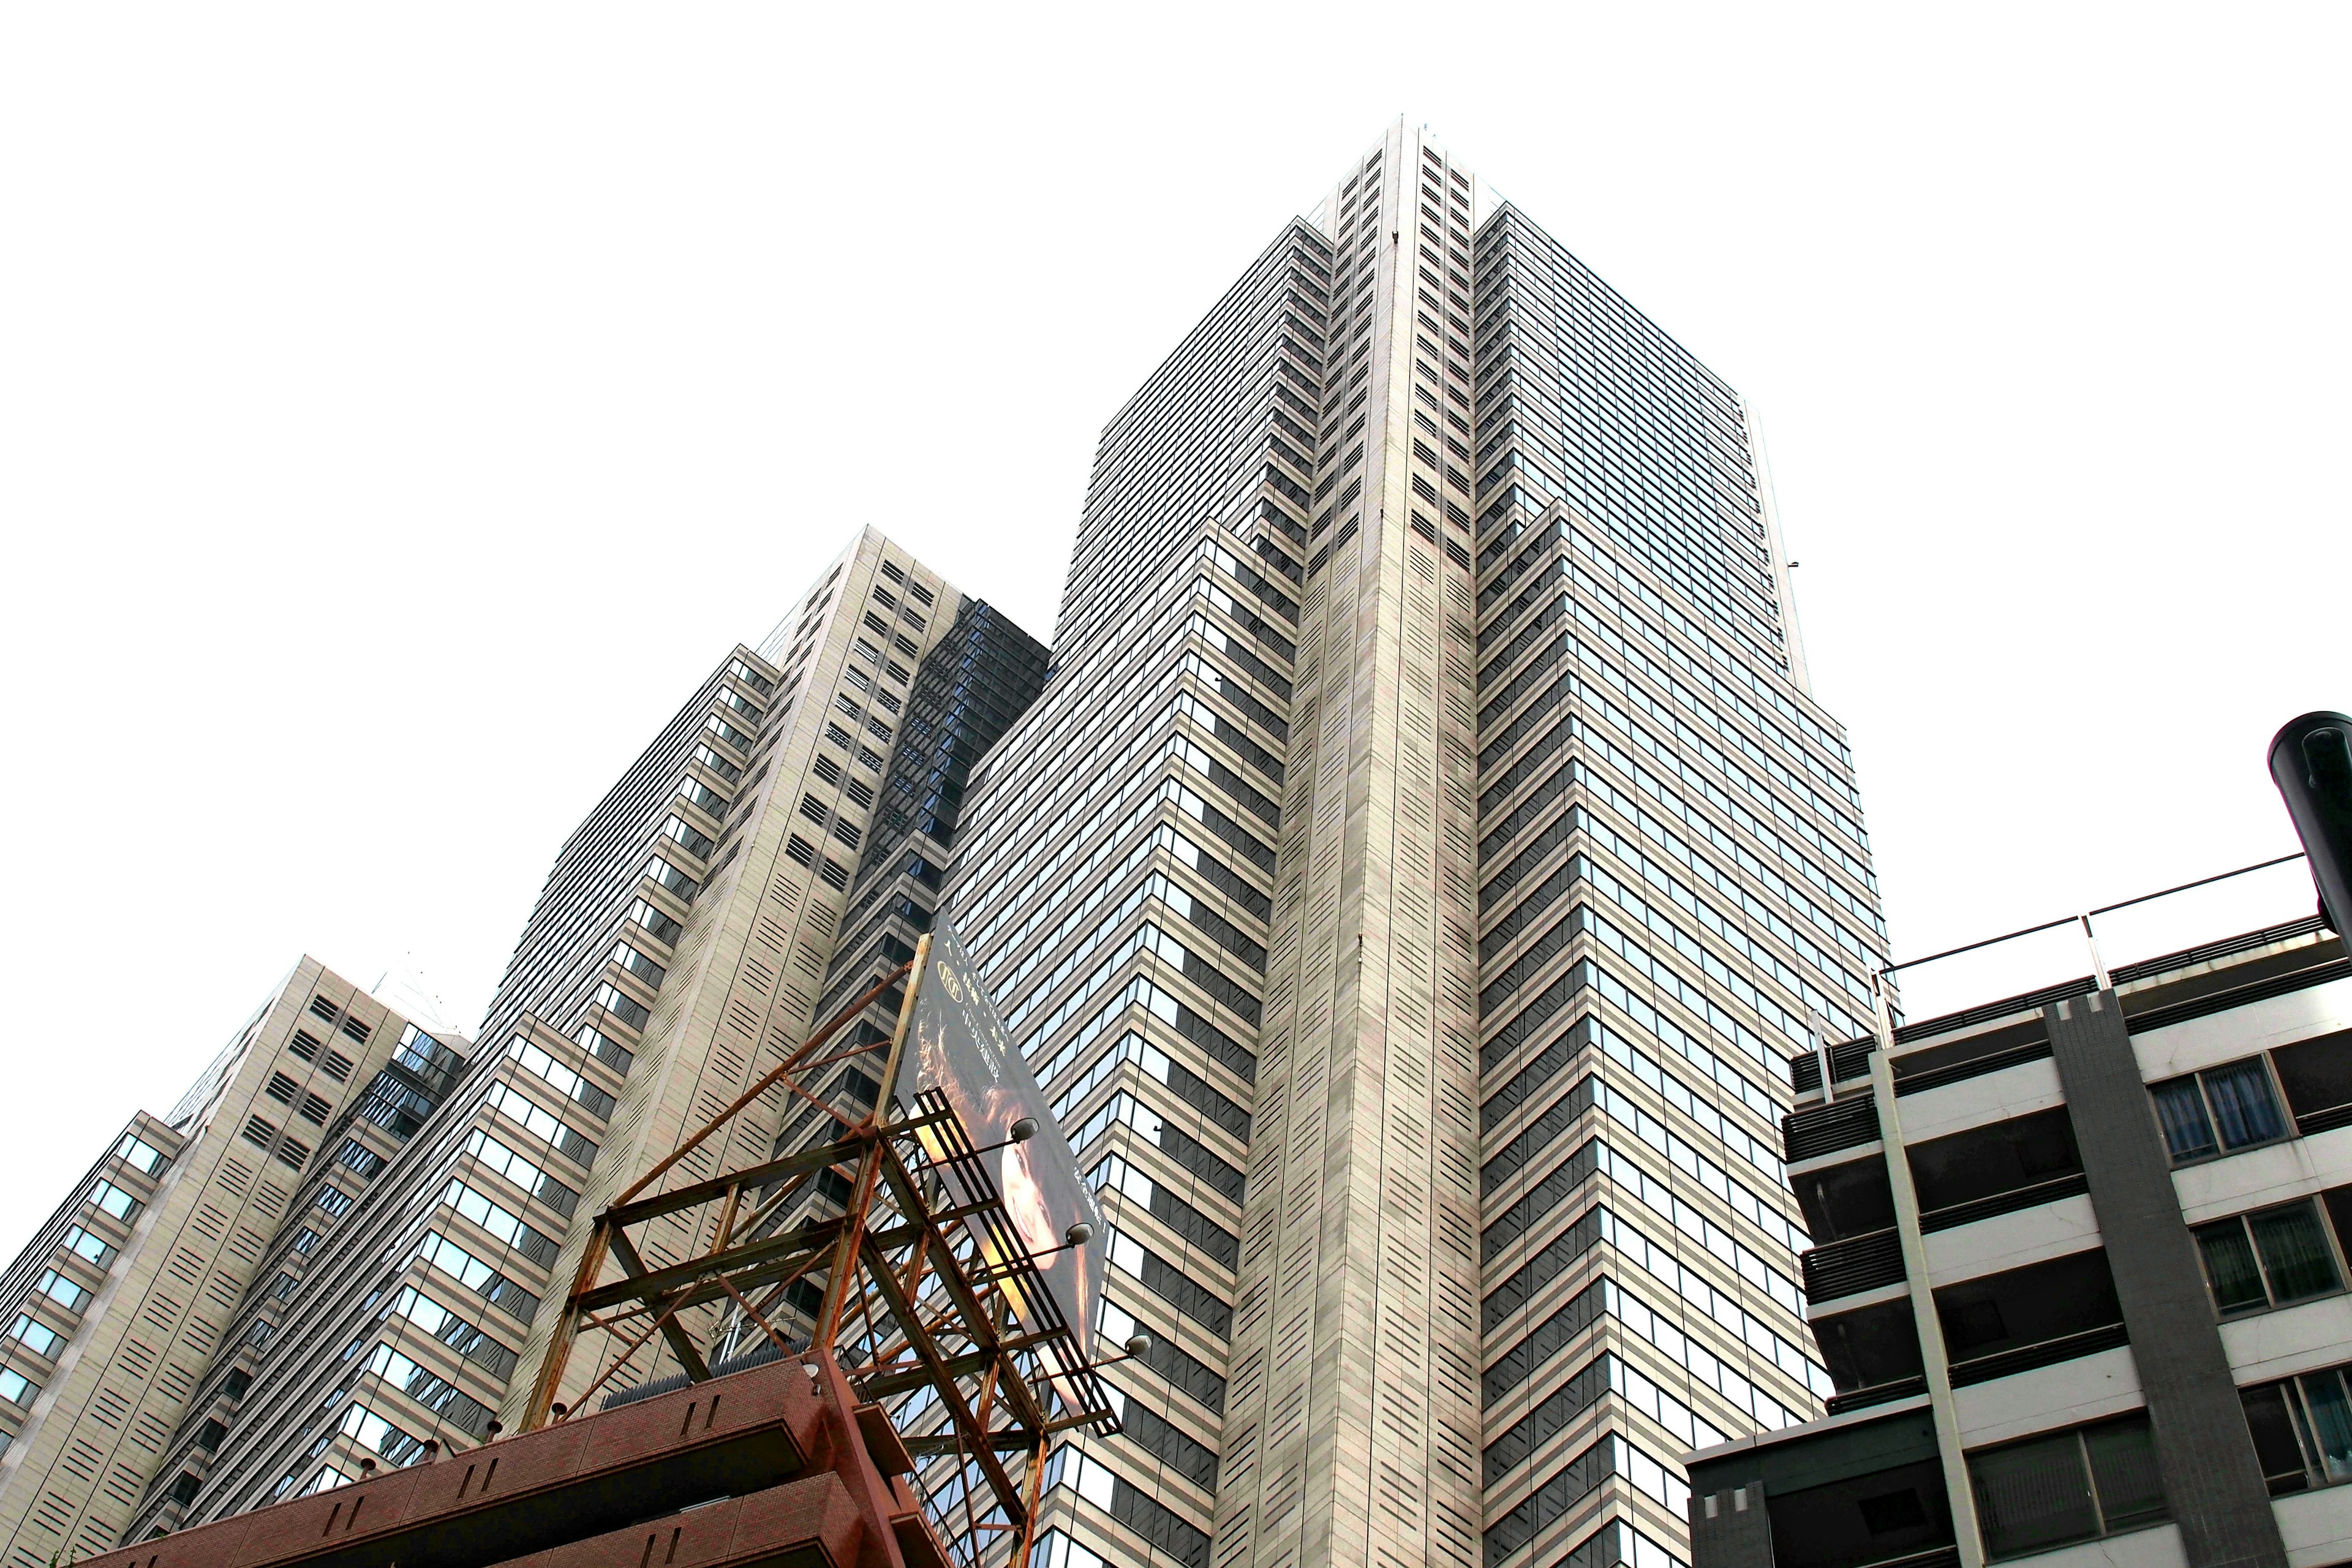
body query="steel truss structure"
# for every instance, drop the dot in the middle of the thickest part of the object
(931, 1302)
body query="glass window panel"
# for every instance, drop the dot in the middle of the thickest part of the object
(2243, 1110)
(2229, 1267)
(2295, 1252)
(2181, 1109)
(2033, 1494)
(2274, 1431)
(2331, 1422)
(2123, 1472)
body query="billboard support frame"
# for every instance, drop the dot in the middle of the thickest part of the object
(934, 1308)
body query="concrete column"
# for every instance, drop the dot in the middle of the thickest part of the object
(2202, 1447)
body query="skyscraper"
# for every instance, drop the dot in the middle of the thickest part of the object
(141, 1302)
(1421, 867)
(1421, 863)
(675, 951)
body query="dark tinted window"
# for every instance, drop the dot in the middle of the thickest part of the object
(2267, 1258)
(2219, 1110)
(2067, 1486)
(2316, 1074)
(2029, 1306)
(1984, 1162)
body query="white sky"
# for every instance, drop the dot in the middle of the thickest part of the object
(402, 407)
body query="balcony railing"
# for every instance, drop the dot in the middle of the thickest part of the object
(1851, 1267)
(1825, 1129)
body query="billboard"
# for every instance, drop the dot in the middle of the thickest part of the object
(958, 1046)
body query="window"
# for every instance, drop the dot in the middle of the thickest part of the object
(89, 1249)
(282, 1089)
(358, 1157)
(2217, 1111)
(65, 1292)
(337, 1067)
(325, 1009)
(134, 1151)
(37, 1336)
(828, 770)
(629, 958)
(2068, 1486)
(2316, 1075)
(867, 758)
(257, 1130)
(688, 839)
(113, 1200)
(17, 1389)
(2271, 1258)
(315, 1110)
(668, 876)
(304, 1045)
(305, 1241)
(801, 849)
(370, 1430)
(291, 1152)
(561, 1078)
(333, 1202)
(835, 875)
(837, 735)
(2302, 1429)
(356, 1030)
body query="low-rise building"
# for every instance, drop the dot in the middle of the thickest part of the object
(2081, 1280)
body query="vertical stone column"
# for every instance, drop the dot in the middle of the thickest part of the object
(1350, 1431)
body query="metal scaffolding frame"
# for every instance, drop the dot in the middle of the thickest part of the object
(920, 1291)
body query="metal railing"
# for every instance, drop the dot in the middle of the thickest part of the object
(2049, 958)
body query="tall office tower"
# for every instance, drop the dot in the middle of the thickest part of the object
(675, 954)
(1411, 887)
(122, 1306)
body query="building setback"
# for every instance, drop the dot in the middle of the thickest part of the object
(141, 1302)
(1421, 865)
(2096, 1310)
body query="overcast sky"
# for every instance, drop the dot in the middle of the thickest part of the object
(402, 407)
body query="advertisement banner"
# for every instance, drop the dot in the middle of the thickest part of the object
(958, 1046)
